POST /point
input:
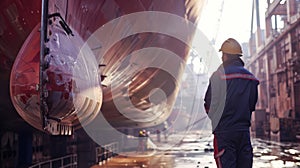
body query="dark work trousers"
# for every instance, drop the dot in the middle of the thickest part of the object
(233, 150)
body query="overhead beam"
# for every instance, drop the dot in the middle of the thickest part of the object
(272, 7)
(280, 10)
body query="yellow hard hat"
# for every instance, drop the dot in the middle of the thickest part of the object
(231, 46)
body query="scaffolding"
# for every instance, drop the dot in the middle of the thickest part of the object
(275, 60)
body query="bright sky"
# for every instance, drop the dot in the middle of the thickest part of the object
(222, 19)
(233, 20)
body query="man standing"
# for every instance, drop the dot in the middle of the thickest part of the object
(229, 101)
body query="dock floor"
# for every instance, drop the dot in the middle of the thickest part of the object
(195, 150)
(140, 160)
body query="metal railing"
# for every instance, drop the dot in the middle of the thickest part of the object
(69, 161)
(104, 153)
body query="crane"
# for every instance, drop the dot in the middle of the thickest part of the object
(213, 41)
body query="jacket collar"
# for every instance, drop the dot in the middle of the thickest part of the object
(233, 62)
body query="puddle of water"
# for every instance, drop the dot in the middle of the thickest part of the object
(195, 150)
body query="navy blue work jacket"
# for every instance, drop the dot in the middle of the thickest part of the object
(231, 97)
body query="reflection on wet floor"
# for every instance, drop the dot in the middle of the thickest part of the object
(139, 161)
(195, 150)
(275, 155)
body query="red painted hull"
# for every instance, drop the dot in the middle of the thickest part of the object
(130, 97)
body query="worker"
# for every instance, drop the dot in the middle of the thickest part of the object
(143, 137)
(158, 135)
(229, 101)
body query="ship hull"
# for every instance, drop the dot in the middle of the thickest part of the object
(141, 56)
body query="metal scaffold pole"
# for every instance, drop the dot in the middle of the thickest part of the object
(43, 38)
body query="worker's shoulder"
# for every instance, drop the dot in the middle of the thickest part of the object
(237, 69)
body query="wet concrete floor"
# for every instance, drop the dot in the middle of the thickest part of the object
(195, 150)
